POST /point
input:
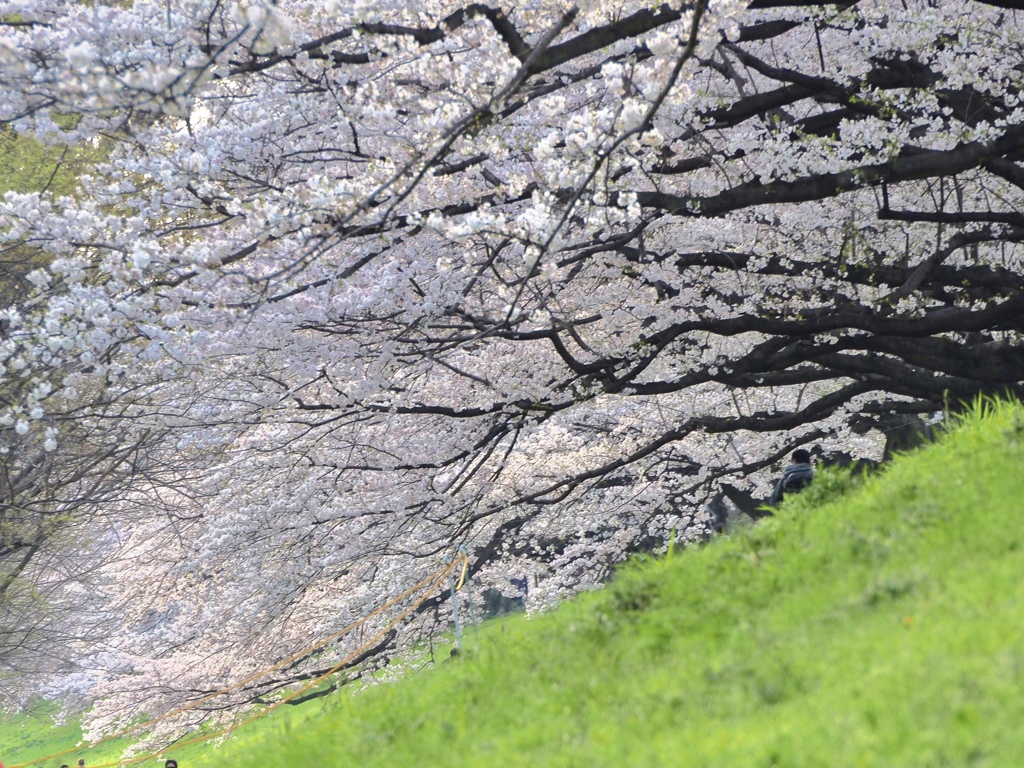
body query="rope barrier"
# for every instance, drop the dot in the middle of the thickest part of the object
(465, 567)
(434, 580)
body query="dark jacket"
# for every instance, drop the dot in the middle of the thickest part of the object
(795, 478)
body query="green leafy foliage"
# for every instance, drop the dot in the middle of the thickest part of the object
(28, 166)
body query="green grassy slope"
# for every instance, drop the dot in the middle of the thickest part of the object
(872, 626)
(27, 736)
(31, 736)
(871, 623)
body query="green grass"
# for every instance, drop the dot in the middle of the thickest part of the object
(30, 736)
(872, 622)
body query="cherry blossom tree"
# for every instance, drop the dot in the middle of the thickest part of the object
(380, 281)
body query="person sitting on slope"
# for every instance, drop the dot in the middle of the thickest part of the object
(797, 476)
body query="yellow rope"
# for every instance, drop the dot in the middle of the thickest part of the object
(462, 578)
(435, 579)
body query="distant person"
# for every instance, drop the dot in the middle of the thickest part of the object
(797, 476)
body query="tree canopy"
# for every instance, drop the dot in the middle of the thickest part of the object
(359, 284)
